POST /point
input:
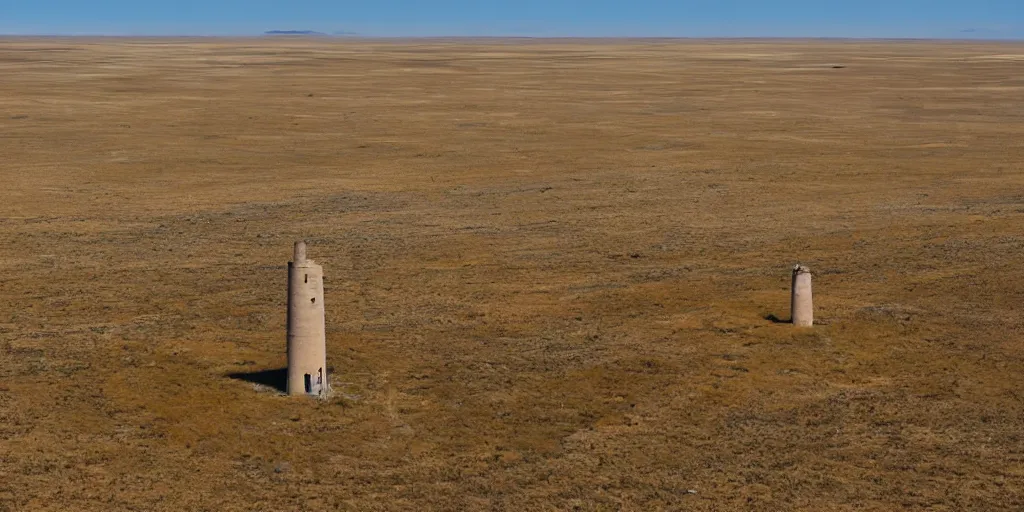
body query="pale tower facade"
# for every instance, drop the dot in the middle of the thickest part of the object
(307, 339)
(802, 302)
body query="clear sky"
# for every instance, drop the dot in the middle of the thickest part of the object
(994, 19)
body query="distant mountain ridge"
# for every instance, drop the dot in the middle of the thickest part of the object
(293, 33)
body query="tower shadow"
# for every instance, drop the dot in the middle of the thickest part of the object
(776, 320)
(277, 378)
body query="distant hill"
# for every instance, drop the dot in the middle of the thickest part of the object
(293, 33)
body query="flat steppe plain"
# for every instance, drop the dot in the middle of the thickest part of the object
(557, 274)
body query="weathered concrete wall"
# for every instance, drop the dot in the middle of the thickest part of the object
(802, 302)
(307, 341)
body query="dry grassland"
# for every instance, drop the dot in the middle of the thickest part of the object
(552, 273)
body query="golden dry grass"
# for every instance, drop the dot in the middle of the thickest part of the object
(551, 272)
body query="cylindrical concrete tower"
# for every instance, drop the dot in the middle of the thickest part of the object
(802, 303)
(307, 341)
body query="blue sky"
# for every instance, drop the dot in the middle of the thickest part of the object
(995, 19)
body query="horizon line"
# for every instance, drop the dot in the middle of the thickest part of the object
(318, 35)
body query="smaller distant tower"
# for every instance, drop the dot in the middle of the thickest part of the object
(307, 340)
(802, 303)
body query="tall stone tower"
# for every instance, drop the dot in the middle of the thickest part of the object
(307, 340)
